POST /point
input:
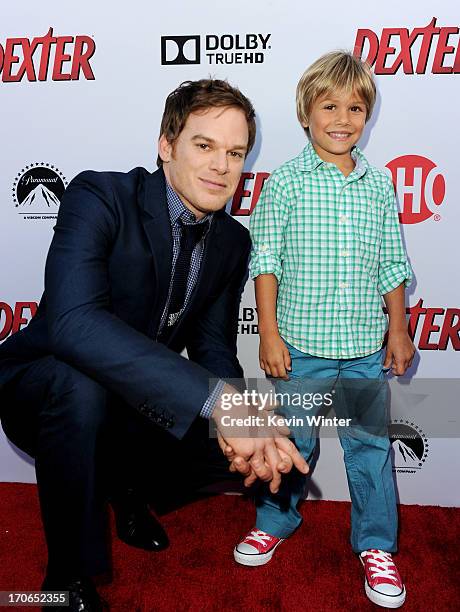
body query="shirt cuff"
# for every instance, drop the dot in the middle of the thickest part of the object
(393, 276)
(209, 405)
(264, 263)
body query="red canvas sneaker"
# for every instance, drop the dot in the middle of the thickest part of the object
(383, 583)
(257, 548)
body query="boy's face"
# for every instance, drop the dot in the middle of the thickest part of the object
(336, 123)
(205, 162)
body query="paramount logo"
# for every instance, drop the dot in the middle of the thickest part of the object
(41, 196)
(405, 453)
(37, 191)
(409, 445)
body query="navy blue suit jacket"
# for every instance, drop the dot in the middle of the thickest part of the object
(106, 282)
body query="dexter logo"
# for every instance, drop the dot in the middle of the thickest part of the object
(13, 318)
(69, 57)
(443, 321)
(247, 195)
(411, 50)
(180, 50)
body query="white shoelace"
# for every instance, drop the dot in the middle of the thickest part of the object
(259, 536)
(382, 565)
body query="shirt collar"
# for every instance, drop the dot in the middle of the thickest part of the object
(361, 163)
(177, 209)
(309, 160)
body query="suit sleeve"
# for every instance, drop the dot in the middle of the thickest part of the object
(85, 333)
(212, 343)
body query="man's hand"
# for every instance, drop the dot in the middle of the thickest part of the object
(400, 352)
(238, 464)
(274, 356)
(260, 450)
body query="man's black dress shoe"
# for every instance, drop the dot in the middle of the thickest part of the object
(136, 525)
(83, 596)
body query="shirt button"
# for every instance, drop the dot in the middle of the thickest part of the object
(344, 253)
(343, 285)
(264, 247)
(343, 218)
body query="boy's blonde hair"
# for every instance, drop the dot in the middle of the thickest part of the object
(338, 70)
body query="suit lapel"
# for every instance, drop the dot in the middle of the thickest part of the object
(157, 227)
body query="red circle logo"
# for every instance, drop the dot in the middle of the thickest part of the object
(419, 185)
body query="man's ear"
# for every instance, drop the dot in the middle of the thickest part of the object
(164, 149)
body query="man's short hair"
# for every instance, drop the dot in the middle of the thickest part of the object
(338, 70)
(193, 96)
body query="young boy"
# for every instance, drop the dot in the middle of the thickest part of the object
(326, 248)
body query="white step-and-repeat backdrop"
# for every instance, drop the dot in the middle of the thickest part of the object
(82, 85)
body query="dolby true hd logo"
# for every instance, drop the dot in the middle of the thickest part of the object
(217, 49)
(180, 50)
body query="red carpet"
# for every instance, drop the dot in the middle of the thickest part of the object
(315, 570)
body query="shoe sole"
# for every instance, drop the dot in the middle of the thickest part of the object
(254, 560)
(386, 601)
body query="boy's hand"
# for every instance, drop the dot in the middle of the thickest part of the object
(274, 356)
(238, 464)
(400, 352)
(267, 453)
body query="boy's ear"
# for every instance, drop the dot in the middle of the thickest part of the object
(164, 149)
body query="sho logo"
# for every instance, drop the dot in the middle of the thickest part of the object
(37, 191)
(420, 187)
(409, 444)
(180, 50)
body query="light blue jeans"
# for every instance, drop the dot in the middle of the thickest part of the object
(358, 391)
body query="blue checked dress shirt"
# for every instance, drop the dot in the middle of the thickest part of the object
(177, 210)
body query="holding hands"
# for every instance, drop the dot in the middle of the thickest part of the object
(256, 445)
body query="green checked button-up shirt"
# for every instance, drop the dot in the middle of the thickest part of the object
(334, 244)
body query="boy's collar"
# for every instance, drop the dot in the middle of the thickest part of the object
(361, 163)
(309, 160)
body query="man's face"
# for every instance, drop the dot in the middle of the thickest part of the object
(204, 164)
(336, 123)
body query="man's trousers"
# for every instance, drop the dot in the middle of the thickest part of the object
(88, 446)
